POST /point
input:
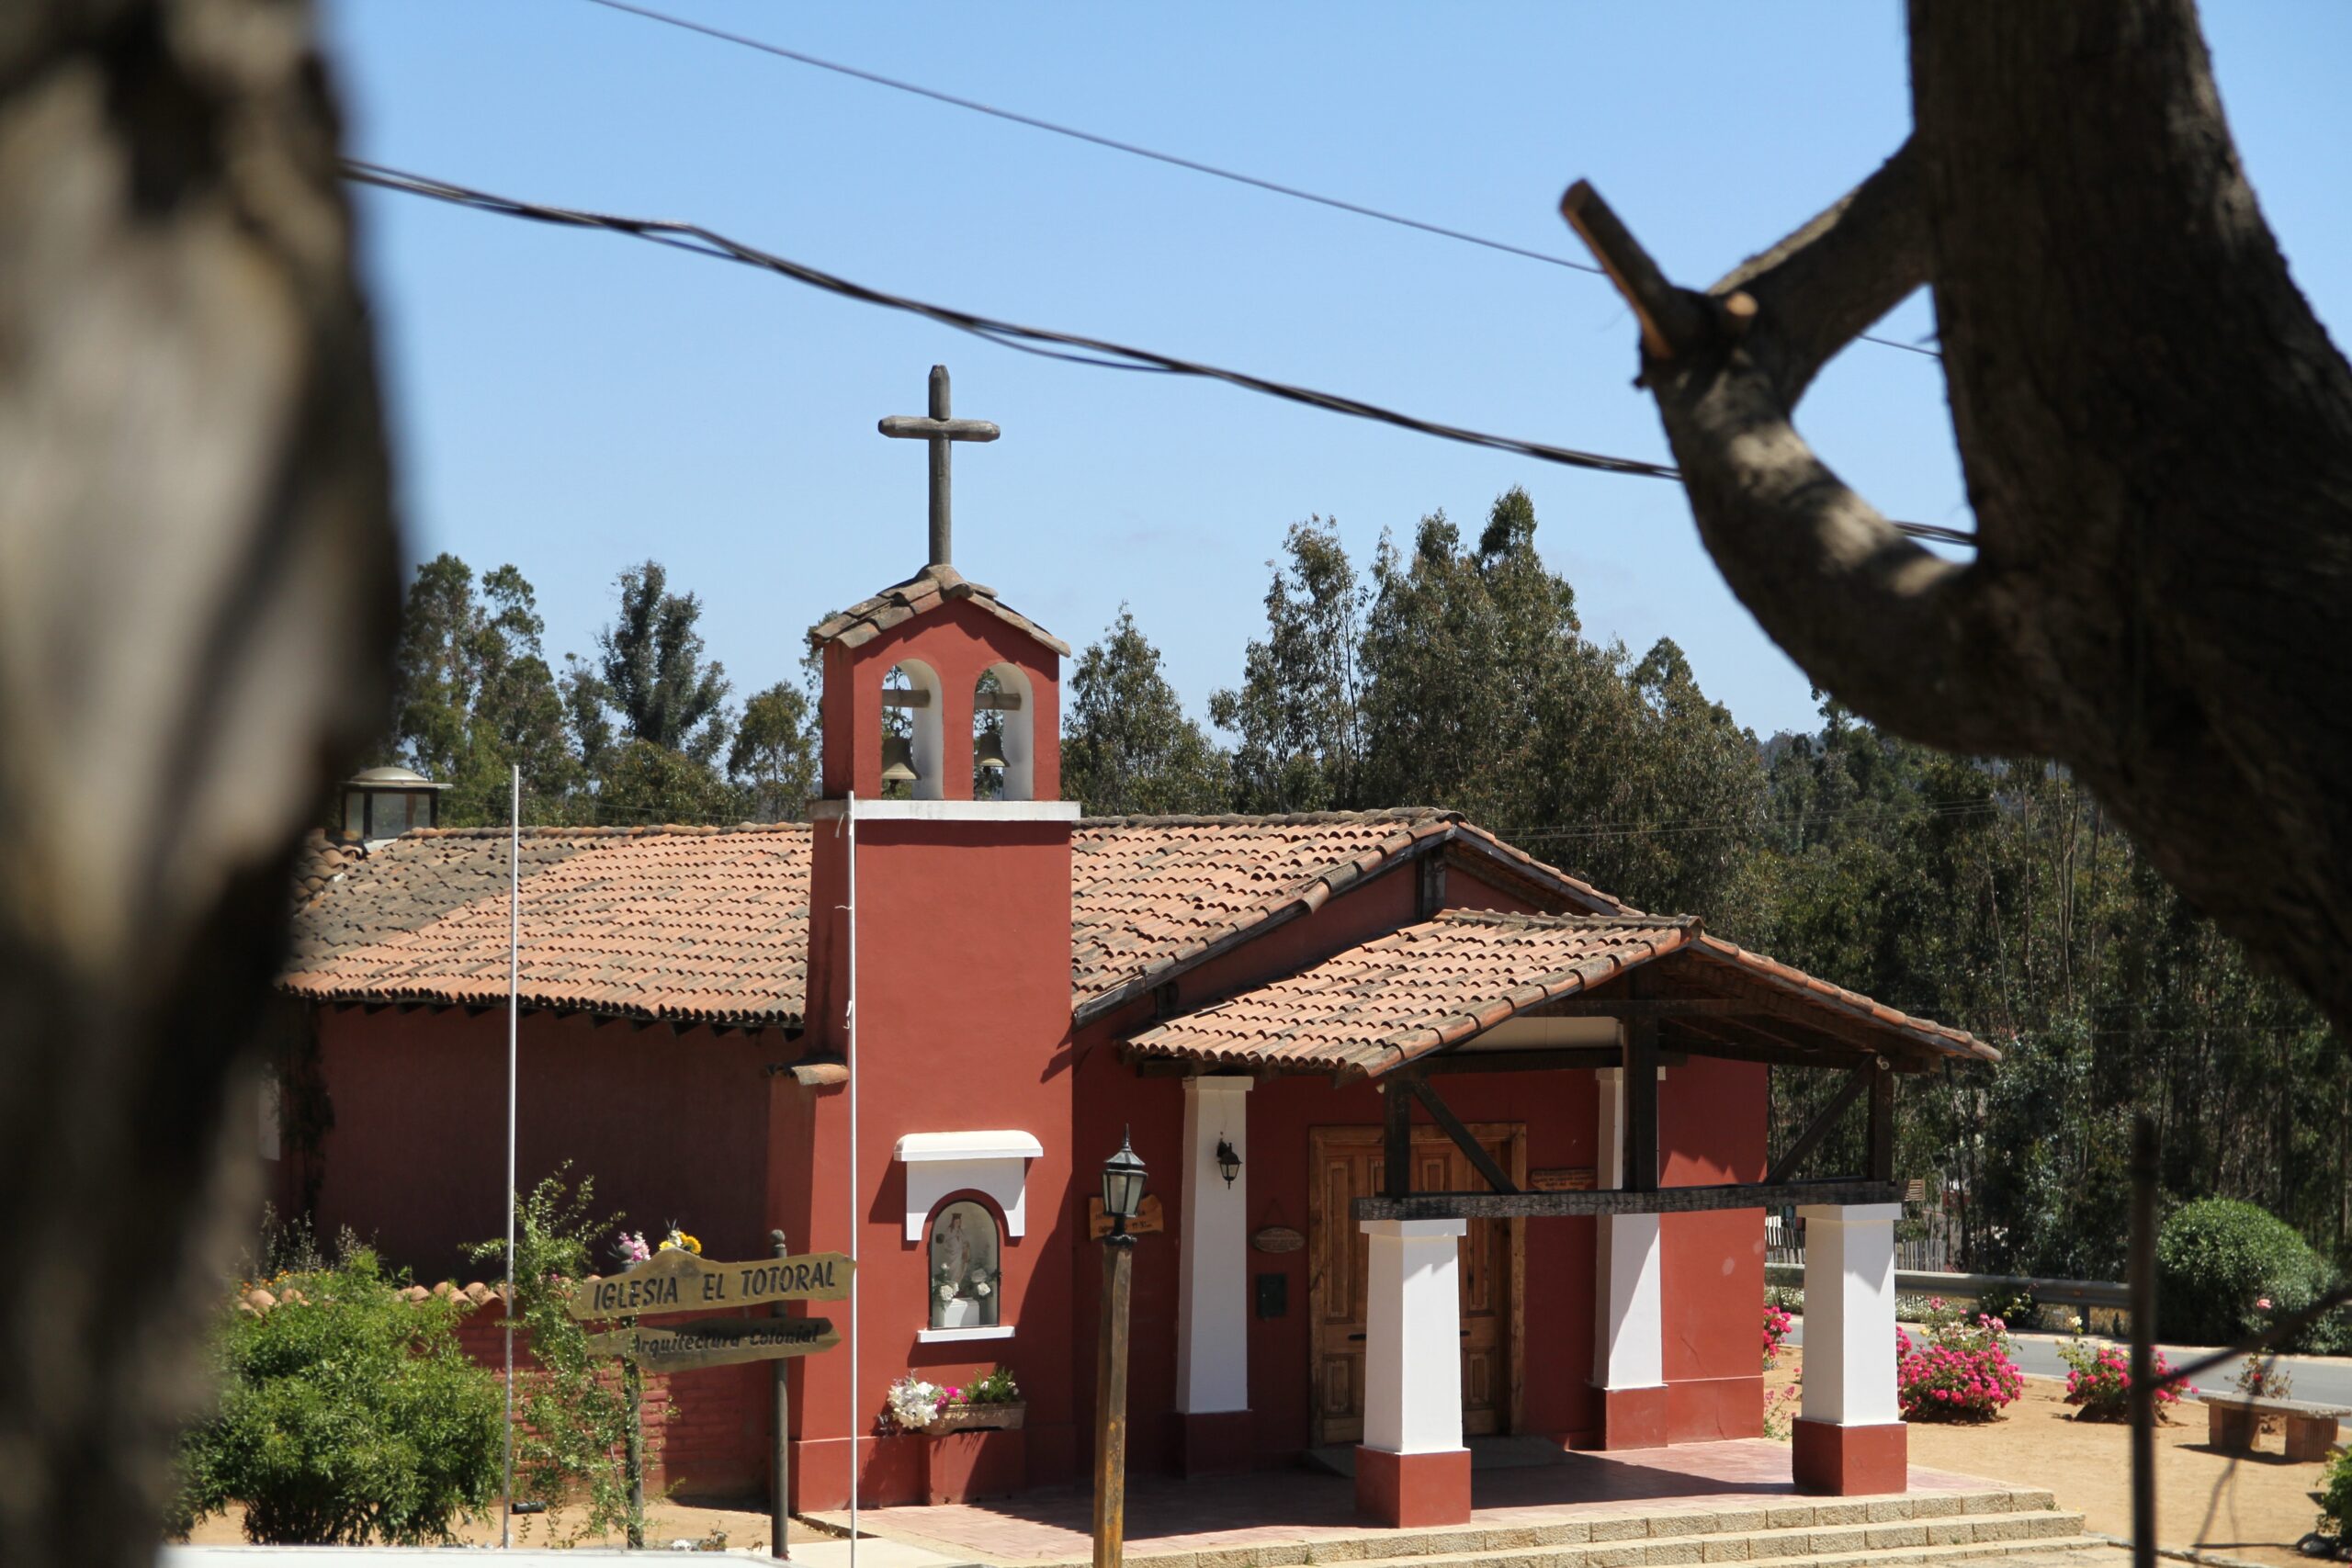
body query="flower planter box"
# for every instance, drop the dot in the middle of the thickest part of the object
(980, 1418)
(967, 1465)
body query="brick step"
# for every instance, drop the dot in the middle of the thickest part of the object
(1636, 1540)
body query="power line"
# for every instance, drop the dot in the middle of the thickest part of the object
(1098, 352)
(1132, 149)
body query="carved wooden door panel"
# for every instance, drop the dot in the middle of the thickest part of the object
(1346, 1163)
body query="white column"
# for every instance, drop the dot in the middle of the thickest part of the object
(1412, 1336)
(1629, 1349)
(1213, 1253)
(1849, 1314)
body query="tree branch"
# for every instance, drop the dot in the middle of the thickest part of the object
(1907, 639)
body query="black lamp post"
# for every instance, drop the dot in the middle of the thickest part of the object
(1122, 1198)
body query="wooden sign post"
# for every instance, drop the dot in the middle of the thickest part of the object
(678, 1281)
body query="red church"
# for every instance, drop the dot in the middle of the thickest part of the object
(1440, 1141)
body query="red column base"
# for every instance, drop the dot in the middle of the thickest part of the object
(1851, 1461)
(1633, 1418)
(1413, 1490)
(1218, 1442)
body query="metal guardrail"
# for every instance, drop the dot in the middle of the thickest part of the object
(1973, 1286)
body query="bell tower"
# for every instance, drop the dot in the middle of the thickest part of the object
(939, 975)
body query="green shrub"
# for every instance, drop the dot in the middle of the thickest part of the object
(2216, 1257)
(2336, 1495)
(348, 1415)
(574, 1409)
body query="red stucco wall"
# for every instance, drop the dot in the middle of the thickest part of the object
(670, 1126)
(1712, 1129)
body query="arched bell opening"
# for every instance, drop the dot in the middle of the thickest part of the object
(1003, 749)
(912, 744)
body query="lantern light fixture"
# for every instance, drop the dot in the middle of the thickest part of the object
(1228, 1164)
(1122, 1185)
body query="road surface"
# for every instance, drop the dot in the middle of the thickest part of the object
(2322, 1379)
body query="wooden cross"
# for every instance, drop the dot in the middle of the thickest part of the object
(941, 431)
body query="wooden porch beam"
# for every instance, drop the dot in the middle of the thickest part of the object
(1641, 1105)
(1443, 1114)
(1540, 1059)
(1396, 1140)
(1823, 1123)
(1881, 1124)
(1622, 1201)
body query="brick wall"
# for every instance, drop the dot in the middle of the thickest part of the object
(706, 1432)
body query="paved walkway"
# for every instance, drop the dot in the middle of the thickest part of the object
(1294, 1504)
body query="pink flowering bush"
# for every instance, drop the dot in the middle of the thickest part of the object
(2098, 1383)
(1776, 1322)
(1958, 1370)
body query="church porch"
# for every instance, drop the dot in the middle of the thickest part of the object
(1728, 1499)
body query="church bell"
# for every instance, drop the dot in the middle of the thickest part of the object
(988, 752)
(899, 760)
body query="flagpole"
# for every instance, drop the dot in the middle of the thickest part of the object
(854, 1177)
(513, 992)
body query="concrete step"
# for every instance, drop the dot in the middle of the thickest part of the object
(1638, 1540)
(2026, 1513)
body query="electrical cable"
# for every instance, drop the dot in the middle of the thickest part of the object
(1132, 149)
(694, 238)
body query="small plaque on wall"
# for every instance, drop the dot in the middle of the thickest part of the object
(1562, 1178)
(1146, 1222)
(1277, 1239)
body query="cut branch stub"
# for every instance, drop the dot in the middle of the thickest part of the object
(1906, 637)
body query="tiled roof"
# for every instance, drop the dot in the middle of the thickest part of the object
(711, 925)
(1153, 894)
(1771, 972)
(926, 590)
(682, 924)
(653, 922)
(1399, 997)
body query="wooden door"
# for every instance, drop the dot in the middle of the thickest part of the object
(1346, 1163)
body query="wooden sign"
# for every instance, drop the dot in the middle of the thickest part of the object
(681, 1281)
(1146, 1222)
(1277, 1239)
(1567, 1179)
(718, 1342)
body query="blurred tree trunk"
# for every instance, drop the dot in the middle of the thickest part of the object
(2155, 430)
(197, 600)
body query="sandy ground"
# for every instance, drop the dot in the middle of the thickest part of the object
(2253, 1506)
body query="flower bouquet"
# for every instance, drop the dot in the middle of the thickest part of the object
(993, 1400)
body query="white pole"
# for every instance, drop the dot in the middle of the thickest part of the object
(855, 1177)
(513, 1009)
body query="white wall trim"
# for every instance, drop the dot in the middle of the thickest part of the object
(950, 810)
(1213, 1252)
(994, 1164)
(949, 1335)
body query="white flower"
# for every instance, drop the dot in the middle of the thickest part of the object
(981, 1288)
(946, 1292)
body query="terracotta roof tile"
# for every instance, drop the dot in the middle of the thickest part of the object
(1376, 1007)
(1151, 895)
(863, 622)
(710, 925)
(683, 924)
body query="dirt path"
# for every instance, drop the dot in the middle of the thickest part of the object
(2253, 1506)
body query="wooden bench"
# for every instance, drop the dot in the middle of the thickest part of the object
(2233, 1419)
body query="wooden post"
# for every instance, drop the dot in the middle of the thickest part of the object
(779, 1472)
(2141, 1282)
(1641, 1105)
(633, 1391)
(1882, 1127)
(1397, 1139)
(1110, 1400)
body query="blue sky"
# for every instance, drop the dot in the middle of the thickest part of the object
(574, 403)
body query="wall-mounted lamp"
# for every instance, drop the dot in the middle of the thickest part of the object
(1228, 1164)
